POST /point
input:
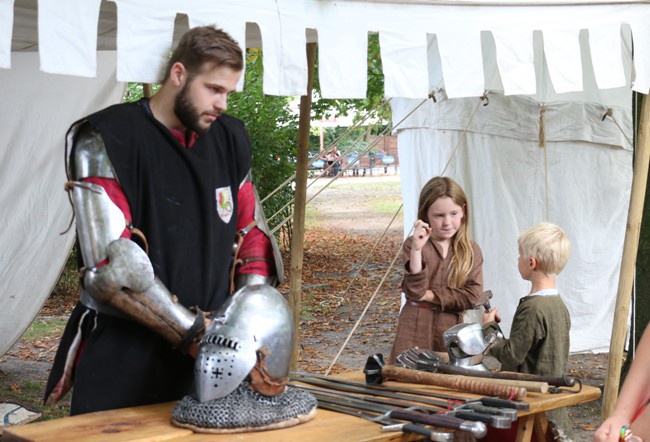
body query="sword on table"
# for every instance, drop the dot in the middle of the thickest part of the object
(389, 424)
(476, 429)
(495, 417)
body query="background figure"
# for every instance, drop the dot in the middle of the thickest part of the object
(178, 168)
(631, 409)
(332, 158)
(443, 269)
(539, 338)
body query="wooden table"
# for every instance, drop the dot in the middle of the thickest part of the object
(152, 423)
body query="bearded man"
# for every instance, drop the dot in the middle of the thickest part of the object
(169, 176)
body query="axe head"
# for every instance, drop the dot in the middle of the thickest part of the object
(373, 368)
(408, 358)
(417, 359)
(428, 361)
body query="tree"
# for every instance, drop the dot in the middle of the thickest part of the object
(642, 300)
(374, 101)
(372, 106)
(273, 128)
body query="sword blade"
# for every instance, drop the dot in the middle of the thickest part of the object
(495, 417)
(476, 428)
(391, 425)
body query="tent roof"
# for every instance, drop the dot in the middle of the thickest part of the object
(452, 34)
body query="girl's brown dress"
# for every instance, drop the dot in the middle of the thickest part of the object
(421, 324)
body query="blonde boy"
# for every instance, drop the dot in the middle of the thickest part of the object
(539, 338)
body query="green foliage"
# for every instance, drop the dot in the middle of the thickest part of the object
(135, 91)
(273, 129)
(68, 282)
(349, 139)
(373, 103)
(43, 328)
(371, 108)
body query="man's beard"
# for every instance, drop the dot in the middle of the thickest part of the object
(187, 113)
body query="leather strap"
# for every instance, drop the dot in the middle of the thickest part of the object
(424, 305)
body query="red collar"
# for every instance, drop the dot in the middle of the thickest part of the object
(186, 141)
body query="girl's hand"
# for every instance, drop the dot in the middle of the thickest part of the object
(421, 234)
(610, 430)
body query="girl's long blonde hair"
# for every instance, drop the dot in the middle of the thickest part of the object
(461, 247)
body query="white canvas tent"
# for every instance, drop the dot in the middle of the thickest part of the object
(492, 147)
(534, 50)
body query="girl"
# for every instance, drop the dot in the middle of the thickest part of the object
(443, 269)
(632, 405)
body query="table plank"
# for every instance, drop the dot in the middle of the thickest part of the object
(328, 426)
(146, 423)
(153, 423)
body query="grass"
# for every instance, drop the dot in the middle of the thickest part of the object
(29, 394)
(45, 328)
(365, 186)
(384, 196)
(312, 217)
(386, 204)
(41, 337)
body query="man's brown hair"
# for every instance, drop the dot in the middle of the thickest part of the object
(206, 46)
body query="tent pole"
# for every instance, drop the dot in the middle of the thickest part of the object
(147, 90)
(298, 232)
(630, 248)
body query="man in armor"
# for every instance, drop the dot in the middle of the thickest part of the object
(162, 196)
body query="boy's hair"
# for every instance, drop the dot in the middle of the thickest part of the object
(463, 259)
(548, 244)
(206, 46)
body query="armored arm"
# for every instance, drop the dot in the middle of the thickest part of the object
(257, 255)
(118, 277)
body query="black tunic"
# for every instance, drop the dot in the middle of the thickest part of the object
(185, 203)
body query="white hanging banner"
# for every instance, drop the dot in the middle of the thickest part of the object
(71, 24)
(343, 74)
(606, 57)
(404, 61)
(142, 59)
(463, 75)
(564, 59)
(641, 38)
(515, 58)
(6, 31)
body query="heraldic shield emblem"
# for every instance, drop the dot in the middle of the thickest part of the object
(224, 203)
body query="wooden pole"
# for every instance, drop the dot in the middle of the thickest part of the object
(630, 248)
(298, 233)
(147, 90)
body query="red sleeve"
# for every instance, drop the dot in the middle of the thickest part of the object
(116, 194)
(255, 251)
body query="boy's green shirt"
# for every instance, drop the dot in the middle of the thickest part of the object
(539, 338)
(538, 344)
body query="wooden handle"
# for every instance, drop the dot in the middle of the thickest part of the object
(462, 383)
(561, 381)
(532, 386)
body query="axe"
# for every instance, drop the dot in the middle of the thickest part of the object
(430, 361)
(377, 371)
